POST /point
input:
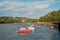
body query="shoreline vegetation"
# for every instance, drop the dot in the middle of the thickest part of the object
(50, 19)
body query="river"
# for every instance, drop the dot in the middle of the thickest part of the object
(8, 32)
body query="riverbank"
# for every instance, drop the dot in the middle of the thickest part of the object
(51, 24)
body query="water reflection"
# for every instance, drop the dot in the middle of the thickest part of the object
(8, 32)
(40, 33)
(22, 34)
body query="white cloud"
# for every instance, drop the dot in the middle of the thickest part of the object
(50, 0)
(31, 0)
(21, 8)
(16, 6)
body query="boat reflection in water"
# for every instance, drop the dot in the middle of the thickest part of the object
(22, 33)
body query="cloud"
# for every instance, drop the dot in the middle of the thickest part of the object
(32, 0)
(23, 9)
(50, 0)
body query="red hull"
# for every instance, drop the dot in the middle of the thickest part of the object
(24, 31)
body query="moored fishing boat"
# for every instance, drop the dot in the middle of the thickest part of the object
(25, 29)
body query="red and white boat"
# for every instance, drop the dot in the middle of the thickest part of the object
(25, 29)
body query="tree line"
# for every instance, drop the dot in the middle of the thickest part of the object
(7, 19)
(53, 16)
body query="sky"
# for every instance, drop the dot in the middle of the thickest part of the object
(28, 8)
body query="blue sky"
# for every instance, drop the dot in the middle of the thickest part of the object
(28, 8)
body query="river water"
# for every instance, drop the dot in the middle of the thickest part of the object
(8, 32)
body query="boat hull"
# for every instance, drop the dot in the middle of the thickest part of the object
(24, 31)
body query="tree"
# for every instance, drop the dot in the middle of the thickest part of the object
(53, 16)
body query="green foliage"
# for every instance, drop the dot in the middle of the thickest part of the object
(6, 19)
(53, 16)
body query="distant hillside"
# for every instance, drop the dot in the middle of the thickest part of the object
(53, 16)
(7, 19)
